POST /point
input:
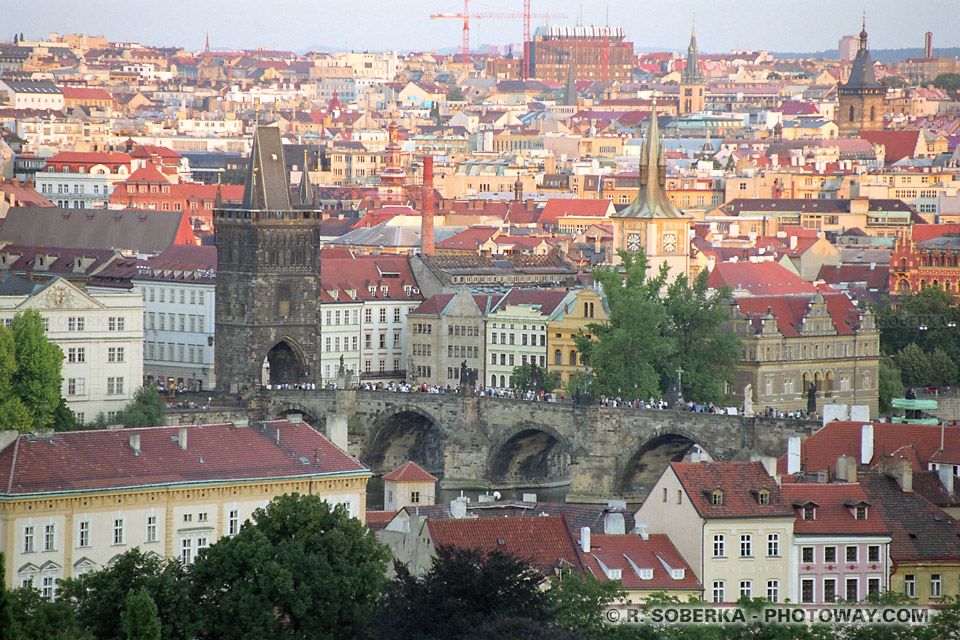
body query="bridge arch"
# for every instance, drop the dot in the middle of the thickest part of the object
(529, 453)
(404, 432)
(640, 469)
(310, 416)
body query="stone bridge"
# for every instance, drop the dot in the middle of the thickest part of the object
(471, 441)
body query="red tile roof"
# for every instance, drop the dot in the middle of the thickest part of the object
(78, 461)
(572, 207)
(790, 310)
(739, 482)
(547, 300)
(147, 173)
(468, 239)
(545, 541)
(378, 520)
(147, 150)
(920, 530)
(896, 144)
(832, 514)
(918, 443)
(627, 551)
(921, 232)
(85, 93)
(758, 278)
(410, 471)
(876, 278)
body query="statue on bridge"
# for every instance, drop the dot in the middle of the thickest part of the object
(468, 379)
(812, 398)
(748, 400)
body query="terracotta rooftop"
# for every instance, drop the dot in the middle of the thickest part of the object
(833, 513)
(410, 471)
(83, 461)
(630, 553)
(758, 278)
(740, 484)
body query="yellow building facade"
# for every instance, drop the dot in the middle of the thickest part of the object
(75, 501)
(581, 308)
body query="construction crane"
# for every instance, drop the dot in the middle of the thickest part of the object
(525, 15)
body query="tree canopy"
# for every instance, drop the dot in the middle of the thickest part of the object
(947, 81)
(30, 377)
(300, 568)
(658, 333)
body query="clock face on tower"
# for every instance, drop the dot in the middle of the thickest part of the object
(633, 242)
(669, 242)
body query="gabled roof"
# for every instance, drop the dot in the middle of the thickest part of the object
(832, 515)
(630, 552)
(876, 278)
(468, 239)
(789, 311)
(917, 443)
(896, 144)
(738, 481)
(266, 186)
(759, 278)
(545, 540)
(920, 530)
(81, 461)
(410, 471)
(544, 300)
(556, 208)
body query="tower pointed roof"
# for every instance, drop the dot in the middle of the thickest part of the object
(305, 190)
(862, 75)
(570, 91)
(652, 200)
(691, 74)
(265, 186)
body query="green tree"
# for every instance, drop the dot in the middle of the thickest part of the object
(942, 369)
(914, 365)
(64, 419)
(139, 617)
(31, 395)
(625, 350)
(301, 568)
(463, 589)
(39, 618)
(455, 95)
(145, 410)
(521, 378)
(6, 603)
(581, 600)
(706, 349)
(947, 81)
(100, 596)
(890, 384)
(636, 353)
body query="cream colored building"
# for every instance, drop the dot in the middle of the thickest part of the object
(731, 525)
(409, 485)
(101, 336)
(579, 309)
(74, 501)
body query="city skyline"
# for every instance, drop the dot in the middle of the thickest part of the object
(744, 24)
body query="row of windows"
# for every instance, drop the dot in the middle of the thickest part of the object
(851, 554)
(350, 343)
(382, 340)
(64, 189)
(367, 364)
(746, 545)
(508, 360)
(830, 592)
(176, 322)
(172, 352)
(746, 590)
(457, 351)
(422, 349)
(524, 339)
(155, 293)
(333, 318)
(78, 386)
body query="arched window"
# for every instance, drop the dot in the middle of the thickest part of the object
(903, 264)
(557, 357)
(586, 309)
(573, 358)
(851, 113)
(873, 114)
(493, 381)
(503, 381)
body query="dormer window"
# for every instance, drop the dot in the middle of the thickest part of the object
(646, 574)
(763, 497)
(716, 497)
(809, 513)
(860, 512)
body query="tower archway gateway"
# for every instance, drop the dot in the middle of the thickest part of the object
(268, 279)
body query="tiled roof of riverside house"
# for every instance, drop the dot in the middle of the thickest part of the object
(876, 278)
(758, 278)
(789, 311)
(468, 239)
(556, 208)
(740, 483)
(80, 461)
(547, 300)
(545, 540)
(627, 551)
(920, 530)
(896, 144)
(410, 471)
(929, 485)
(923, 232)
(377, 520)
(833, 513)
(358, 274)
(85, 93)
(918, 443)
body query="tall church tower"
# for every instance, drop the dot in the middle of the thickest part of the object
(268, 279)
(692, 86)
(861, 98)
(652, 222)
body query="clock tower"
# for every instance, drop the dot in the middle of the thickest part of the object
(651, 221)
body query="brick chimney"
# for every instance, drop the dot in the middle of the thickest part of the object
(426, 219)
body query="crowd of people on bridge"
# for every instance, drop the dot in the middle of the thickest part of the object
(659, 404)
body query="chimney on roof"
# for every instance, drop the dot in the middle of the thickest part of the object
(846, 469)
(793, 242)
(945, 472)
(426, 218)
(866, 444)
(585, 539)
(182, 438)
(793, 455)
(135, 442)
(900, 470)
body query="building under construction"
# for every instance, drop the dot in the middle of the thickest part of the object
(592, 53)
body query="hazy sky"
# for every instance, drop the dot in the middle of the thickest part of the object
(778, 25)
